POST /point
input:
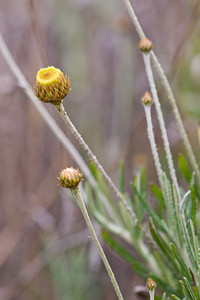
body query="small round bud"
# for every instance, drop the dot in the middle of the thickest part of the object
(150, 284)
(70, 178)
(147, 99)
(145, 45)
(51, 85)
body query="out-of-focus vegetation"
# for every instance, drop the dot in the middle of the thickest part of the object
(95, 43)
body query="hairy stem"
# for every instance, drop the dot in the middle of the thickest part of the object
(177, 200)
(79, 199)
(175, 110)
(168, 90)
(152, 141)
(161, 122)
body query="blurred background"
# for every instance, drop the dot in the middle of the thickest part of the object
(45, 252)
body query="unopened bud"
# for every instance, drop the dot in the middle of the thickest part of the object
(150, 284)
(70, 178)
(147, 99)
(145, 45)
(51, 85)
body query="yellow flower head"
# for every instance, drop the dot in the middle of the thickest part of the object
(51, 85)
(70, 178)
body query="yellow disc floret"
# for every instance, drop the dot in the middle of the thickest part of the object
(51, 85)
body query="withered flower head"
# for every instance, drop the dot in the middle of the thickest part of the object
(147, 99)
(150, 284)
(51, 85)
(70, 178)
(145, 45)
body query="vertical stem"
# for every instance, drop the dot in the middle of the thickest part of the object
(177, 200)
(175, 110)
(168, 90)
(147, 109)
(151, 293)
(134, 18)
(161, 122)
(81, 204)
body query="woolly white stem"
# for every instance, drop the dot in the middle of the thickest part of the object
(147, 109)
(150, 77)
(175, 110)
(168, 90)
(151, 293)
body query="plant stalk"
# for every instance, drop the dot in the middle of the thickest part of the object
(168, 90)
(108, 180)
(79, 199)
(150, 77)
(147, 110)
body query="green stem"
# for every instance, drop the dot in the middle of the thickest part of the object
(79, 199)
(168, 90)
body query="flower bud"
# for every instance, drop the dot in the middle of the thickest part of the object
(145, 45)
(150, 284)
(147, 99)
(51, 85)
(70, 178)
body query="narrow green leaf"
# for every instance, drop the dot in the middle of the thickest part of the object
(121, 177)
(188, 243)
(189, 288)
(139, 268)
(183, 166)
(175, 297)
(194, 206)
(151, 212)
(156, 191)
(163, 246)
(181, 262)
(185, 292)
(167, 193)
(194, 242)
(164, 296)
(141, 185)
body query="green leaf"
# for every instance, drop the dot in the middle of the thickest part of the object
(188, 242)
(139, 268)
(164, 296)
(194, 242)
(151, 212)
(183, 166)
(189, 288)
(194, 206)
(156, 191)
(141, 184)
(185, 290)
(175, 297)
(121, 177)
(181, 262)
(163, 246)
